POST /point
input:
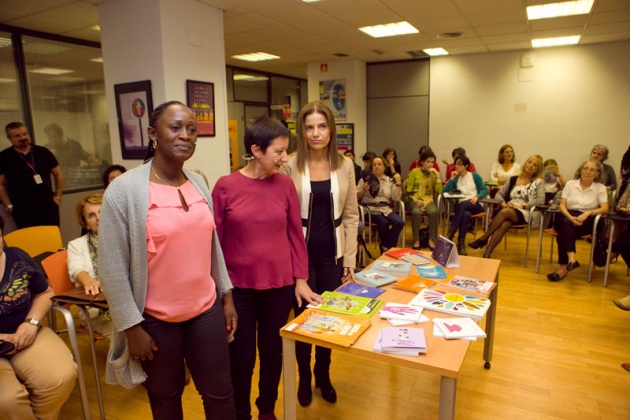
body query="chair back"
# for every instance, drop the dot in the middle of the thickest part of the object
(35, 240)
(56, 268)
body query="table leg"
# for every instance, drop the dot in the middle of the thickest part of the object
(448, 388)
(288, 375)
(593, 241)
(610, 242)
(97, 376)
(488, 344)
(540, 232)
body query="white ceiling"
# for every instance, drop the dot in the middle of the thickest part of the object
(301, 33)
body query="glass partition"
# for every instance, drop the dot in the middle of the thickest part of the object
(10, 103)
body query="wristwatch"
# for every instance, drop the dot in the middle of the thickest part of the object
(33, 321)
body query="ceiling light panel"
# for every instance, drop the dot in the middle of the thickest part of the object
(435, 51)
(389, 29)
(257, 56)
(555, 42)
(566, 8)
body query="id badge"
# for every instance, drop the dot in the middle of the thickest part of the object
(38, 179)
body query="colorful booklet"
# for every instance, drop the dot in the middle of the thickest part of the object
(398, 253)
(374, 278)
(459, 328)
(348, 304)
(445, 252)
(392, 267)
(356, 289)
(432, 272)
(334, 328)
(437, 332)
(451, 303)
(401, 340)
(470, 283)
(400, 311)
(413, 284)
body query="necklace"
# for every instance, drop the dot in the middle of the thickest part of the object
(181, 196)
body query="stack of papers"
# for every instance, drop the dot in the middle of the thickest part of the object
(457, 328)
(399, 314)
(401, 341)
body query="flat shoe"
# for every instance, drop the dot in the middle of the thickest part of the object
(626, 366)
(415, 247)
(555, 276)
(573, 265)
(623, 303)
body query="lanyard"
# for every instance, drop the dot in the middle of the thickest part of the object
(30, 164)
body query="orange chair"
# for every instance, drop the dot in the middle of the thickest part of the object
(35, 240)
(56, 268)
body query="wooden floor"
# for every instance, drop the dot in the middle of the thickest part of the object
(557, 355)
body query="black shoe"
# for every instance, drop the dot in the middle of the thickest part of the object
(305, 393)
(555, 276)
(479, 243)
(451, 234)
(461, 249)
(573, 265)
(328, 392)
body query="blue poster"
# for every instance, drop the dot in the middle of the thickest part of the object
(333, 94)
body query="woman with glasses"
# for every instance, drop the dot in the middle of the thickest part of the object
(582, 199)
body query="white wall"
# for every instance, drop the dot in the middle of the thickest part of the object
(578, 97)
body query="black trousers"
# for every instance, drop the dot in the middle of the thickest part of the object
(568, 233)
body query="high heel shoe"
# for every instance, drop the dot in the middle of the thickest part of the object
(305, 393)
(479, 243)
(328, 392)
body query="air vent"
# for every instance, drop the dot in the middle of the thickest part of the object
(340, 55)
(379, 52)
(449, 35)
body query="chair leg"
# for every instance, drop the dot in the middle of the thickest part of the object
(97, 376)
(77, 358)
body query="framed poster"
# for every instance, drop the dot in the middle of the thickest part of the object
(333, 94)
(134, 105)
(200, 98)
(345, 136)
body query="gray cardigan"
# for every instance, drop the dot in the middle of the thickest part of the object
(122, 255)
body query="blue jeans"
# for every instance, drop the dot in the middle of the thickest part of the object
(464, 210)
(388, 237)
(202, 342)
(261, 314)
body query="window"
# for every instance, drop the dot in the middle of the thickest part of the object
(10, 103)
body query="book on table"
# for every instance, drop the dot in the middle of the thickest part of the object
(413, 284)
(432, 272)
(401, 340)
(437, 332)
(445, 252)
(399, 314)
(334, 328)
(392, 267)
(410, 255)
(473, 284)
(374, 278)
(356, 289)
(464, 327)
(451, 303)
(343, 303)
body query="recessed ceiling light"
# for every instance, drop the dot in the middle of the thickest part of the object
(50, 70)
(257, 56)
(389, 29)
(566, 8)
(435, 51)
(554, 42)
(449, 35)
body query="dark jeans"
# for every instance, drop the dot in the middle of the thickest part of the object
(265, 312)
(388, 237)
(323, 276)
(202, 342)
(463, 212)
(568, 233)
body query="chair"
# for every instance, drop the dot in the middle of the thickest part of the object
(35, 240)
(56, 269)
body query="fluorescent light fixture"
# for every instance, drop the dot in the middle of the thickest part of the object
(97, 59)
(310, 1)
(435, 51)
(555, 42)
(565, 8)
(96, 27)
(390, 29)
(7, 80)
(5, 42)
(249, 77)
(51, 71)
(257, 56)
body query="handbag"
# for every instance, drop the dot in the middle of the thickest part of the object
(6, 347)
(555, 203)
(424, 237)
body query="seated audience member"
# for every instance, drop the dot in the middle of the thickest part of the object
(582, 199)
(82, 256)
(422, 185)
(416, 163)
(450, 167)
(367, 162)
(505, 167)
(554, 181)
(357, 169)
(111, 173)
(392, 166)
(472, 187)
(622, 230)
(599, 153)
(380, 205)
(38, 375)
(518, 196)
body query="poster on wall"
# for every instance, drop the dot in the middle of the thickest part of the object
(134, 104)
(333, 94)
(200, 98)
(345, 136)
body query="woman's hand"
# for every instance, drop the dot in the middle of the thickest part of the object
(24, 336)
(92, 288)
(473, 200)
(303, 291)
(582, 217)
(419, 202)
(348, 274)
(231, 318)
(141, 345)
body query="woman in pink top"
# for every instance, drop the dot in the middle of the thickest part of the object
(162, 269)
(260, 229)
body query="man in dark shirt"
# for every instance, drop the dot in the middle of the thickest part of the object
(25, 180)
(69, 152)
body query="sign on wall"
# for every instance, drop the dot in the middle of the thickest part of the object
(333, 94)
